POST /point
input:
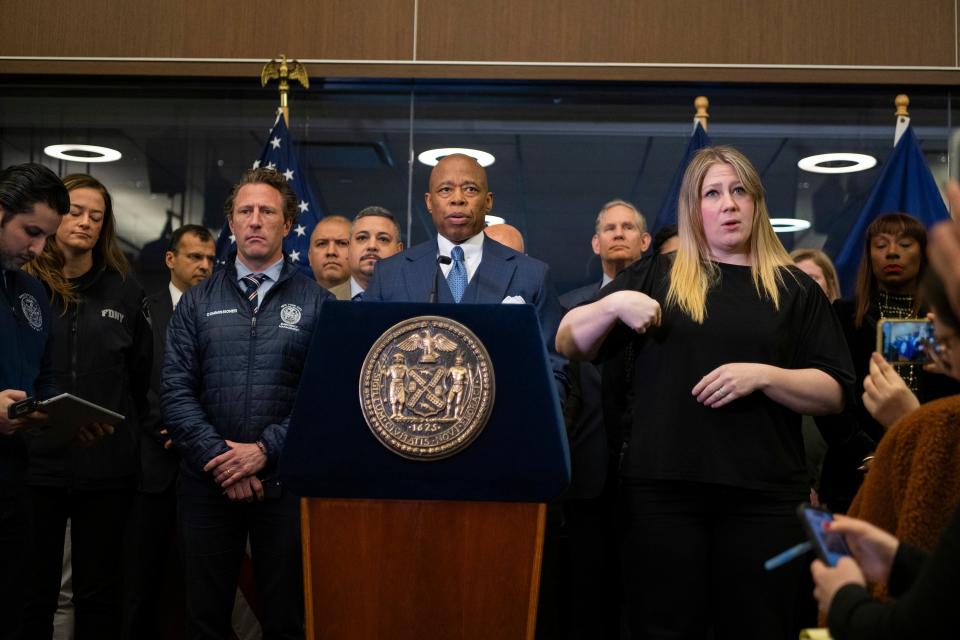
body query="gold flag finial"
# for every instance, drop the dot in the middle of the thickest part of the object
(701, 104)
(902, 101)
(284, 70)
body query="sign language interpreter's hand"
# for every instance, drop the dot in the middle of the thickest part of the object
(728, 382)
(636, 310)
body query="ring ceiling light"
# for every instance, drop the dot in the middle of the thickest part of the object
(854, 162)
(789, 225)
(102, 154)
(432, 156)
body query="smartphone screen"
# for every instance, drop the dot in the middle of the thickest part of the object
(830, 547)
(904, 341)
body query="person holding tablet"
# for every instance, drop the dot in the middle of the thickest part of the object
(32, 201)
(102, 353)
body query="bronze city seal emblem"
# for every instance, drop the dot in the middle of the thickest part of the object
(426, 388)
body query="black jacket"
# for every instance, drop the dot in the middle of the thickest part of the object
(158, 466)
(101, 352)
(25, 359)
(230, 375)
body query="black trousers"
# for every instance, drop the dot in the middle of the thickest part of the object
(15, 540)
(693, 558)
(97, 521)
(153, 571)
(213, 535)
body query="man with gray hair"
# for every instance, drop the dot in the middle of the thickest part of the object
(620, 237)
(589, 504)
(374, 235)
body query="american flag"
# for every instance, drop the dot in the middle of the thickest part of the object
(280, 154)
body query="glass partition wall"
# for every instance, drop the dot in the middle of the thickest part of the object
(561, 149)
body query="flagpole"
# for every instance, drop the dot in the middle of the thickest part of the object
(701, 104)
(902, 101)
(284, 70)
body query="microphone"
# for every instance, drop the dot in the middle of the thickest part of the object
(436, 276)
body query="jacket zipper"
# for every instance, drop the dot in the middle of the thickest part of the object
(74, 321)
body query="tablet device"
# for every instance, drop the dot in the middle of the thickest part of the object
(66, 413)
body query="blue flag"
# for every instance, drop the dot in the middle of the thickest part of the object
(280, 154)
(668, 210)
(905, 185)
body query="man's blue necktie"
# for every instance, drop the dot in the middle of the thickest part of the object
(251, 283)
(457, 278)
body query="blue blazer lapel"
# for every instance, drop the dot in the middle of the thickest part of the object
(419, 276)
(495, 273)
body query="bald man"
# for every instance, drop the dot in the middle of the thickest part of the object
(329, 244)
(507, 235)
(479, 270)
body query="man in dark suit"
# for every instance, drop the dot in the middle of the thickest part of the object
(374, 235)
(189, 257)
(460, 264)
(592, 591)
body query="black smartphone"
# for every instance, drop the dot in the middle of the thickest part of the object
(830, 547)
(904, 341)
(22, 407)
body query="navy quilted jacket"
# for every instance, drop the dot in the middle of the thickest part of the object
(231, 375)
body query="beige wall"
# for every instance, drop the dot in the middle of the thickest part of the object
(859, 41)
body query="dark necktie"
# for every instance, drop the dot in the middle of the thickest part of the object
(251, 284)
(358, 297)
(457, 278)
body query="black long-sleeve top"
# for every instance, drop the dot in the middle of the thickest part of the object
(927, 592)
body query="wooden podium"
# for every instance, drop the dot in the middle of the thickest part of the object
(398, 548)
(421, 569)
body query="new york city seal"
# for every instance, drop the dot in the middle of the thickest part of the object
(426, 388)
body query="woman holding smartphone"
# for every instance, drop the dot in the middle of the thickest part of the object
(726, 344)
(102, 353)
(891, 268)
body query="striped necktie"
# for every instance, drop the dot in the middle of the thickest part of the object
(251, 283)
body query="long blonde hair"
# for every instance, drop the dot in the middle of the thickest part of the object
(693, 271)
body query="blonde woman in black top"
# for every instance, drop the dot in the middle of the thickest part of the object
(728, 344)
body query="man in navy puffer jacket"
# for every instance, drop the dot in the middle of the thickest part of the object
(236, 345)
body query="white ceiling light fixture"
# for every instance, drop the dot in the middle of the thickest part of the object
(431, 157)
(492, 220)
(853, 162)
(72, 152)
(789, 225)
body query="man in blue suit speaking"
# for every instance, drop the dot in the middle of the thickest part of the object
(461, 264)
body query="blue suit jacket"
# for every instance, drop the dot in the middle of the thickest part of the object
(410, 276)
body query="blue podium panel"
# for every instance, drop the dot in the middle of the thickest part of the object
(520, 456)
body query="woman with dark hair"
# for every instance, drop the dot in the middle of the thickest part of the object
(725, 344)
(102, 352)
(893, 263)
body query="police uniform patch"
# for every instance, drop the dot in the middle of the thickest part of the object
(290, 315)
(31, 311)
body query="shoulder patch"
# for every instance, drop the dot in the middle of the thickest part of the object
(31, 311)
